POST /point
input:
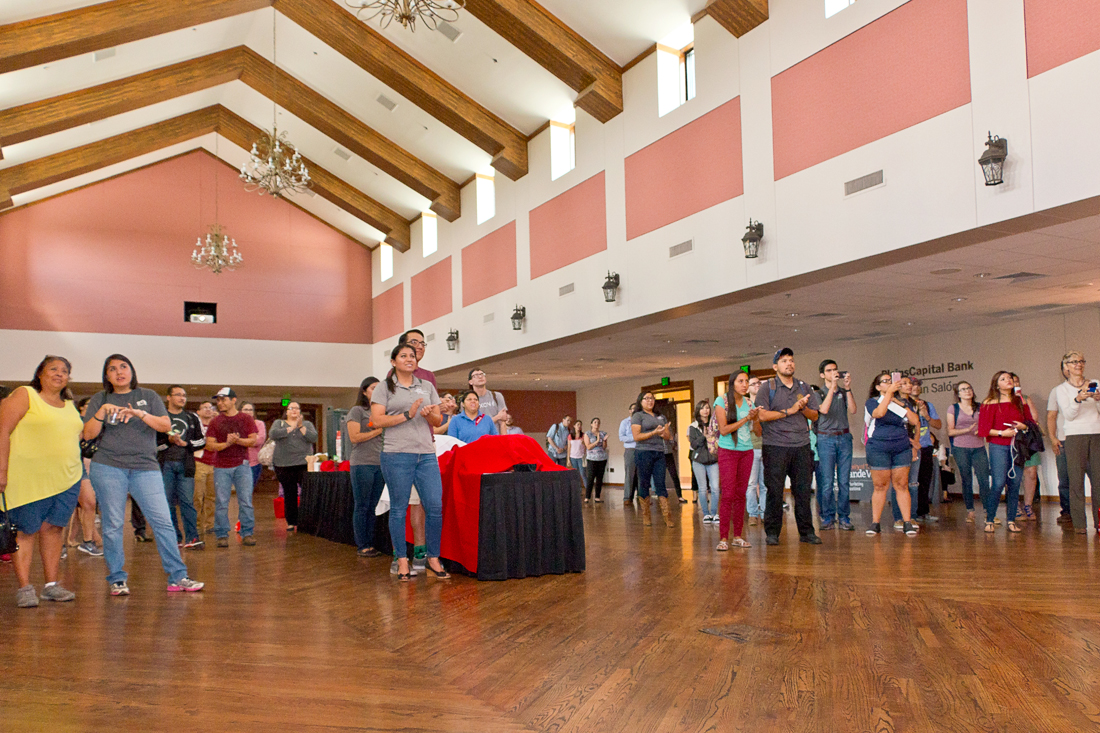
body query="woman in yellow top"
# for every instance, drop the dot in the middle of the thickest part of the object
(40, 472)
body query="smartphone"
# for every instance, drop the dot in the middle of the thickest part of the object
(1093, 386)
(895, 377)
(843, 375)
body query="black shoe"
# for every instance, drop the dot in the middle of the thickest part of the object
(875, 528)
(771, 540)
(810, 539)
(683, 500)
(140, 536)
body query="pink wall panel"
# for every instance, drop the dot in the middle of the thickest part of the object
(908, 66)
(115, 258)
(685, 172)
(389, 313)
(431, 292)
(1059, 31)
(569, 227)
(489, 265)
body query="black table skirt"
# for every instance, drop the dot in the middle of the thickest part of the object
(530, 524)
(327, 506)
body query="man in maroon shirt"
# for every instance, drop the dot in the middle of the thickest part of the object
(229, 436)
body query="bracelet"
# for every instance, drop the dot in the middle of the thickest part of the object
(97, 418)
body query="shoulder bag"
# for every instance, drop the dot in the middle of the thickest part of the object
(8, 545)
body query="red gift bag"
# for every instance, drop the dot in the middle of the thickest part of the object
(280, 508)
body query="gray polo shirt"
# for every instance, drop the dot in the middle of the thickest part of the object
(649, 423)
(836, 419)
(787, 432)
(413, 436)
(369, 452)
(130, 445)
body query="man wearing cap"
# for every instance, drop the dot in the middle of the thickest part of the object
(229, 436)
(787, 406)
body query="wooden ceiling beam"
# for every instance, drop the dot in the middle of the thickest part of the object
(558, 49)
(62, 35)
(372, 52)
(736, 16)
(346, 129)
(242, 133)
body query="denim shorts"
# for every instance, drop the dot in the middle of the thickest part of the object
(56, 510)
(879, 459)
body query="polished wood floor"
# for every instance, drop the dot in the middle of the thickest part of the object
(950, 631)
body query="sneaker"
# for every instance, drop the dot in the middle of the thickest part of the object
(771, 540)
(142, 537)
(56, 593)
(90, 548)
(249, 540)
(418, 563)
(810, 539)
(928, 519)
(185, 584)
(223, 542)
(846, 525)
(707, 519)
(395, 571)
(910, 529)
(195, 544)
(875, 528)
(120, 588)
(64, 552)
(5, 558)
(826, 526)
(899, 525)
(26, 597)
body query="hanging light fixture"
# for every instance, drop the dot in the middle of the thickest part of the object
(219, 251)
(406, 12)
(993, 160)
(519, 315)
(452, 340)
(610, 286)
(754, 232)
(274, 165)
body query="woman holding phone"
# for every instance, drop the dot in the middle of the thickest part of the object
(889, 450)
(1002, 415)
(737, 417)
(967, 446)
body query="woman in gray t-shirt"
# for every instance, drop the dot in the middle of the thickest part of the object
(650, 433)
(295, 439)
(366, 468)
(407, 408)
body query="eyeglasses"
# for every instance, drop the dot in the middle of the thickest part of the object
(415, 342)
(966, 389)
(1075, 362)
(477, 374)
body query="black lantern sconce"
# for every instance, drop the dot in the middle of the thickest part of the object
(754, 232)
(610, 286)
(993, 160)
(452, 340)
(518, 316)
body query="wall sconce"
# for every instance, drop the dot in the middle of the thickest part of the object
(993, 160)
(610, 285)
(518, 316)
(452, 340)
(754, 232)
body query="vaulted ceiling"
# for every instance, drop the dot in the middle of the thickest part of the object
(392, 122)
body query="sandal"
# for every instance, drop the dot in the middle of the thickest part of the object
(440, 574)
(723, 546)
(367, 552)
(740, 542)
(970, 517)
(1013, 528)
(1029, 514)
(989, 527)
(404, 577)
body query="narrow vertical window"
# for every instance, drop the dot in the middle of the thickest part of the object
(430, 231)
(486, 198)
(385, 253)
(687, 74)
(563, 149)
(832, 7)
(675, 69)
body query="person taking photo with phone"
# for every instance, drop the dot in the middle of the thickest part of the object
(834, 447)
(1079, 406)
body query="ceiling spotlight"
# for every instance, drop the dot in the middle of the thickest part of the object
(452, 340)
(993, 160)
(518, 316)
(610, 286)
(754, 232)
(959, 300)
(982, 275)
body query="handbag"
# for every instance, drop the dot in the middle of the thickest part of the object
(89, 447)
(266, 456)
(8, 545)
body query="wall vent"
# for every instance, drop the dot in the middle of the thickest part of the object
(863, 183)
(681, 248)
(104, 53)
(489, 317)
(1019, 277)
(430, 337)
(565, 289)
(341, 153)
(386, 102)
(449, 31)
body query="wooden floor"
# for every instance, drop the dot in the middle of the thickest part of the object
(950, 631)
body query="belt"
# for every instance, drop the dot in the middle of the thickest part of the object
(845, 431)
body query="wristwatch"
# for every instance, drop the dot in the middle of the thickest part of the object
(407, 415)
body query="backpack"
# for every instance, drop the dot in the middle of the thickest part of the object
(955, 413)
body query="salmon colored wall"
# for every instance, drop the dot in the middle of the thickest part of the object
(685, 172)
(389, 313)
(115, 258)
(431, 292)
(908, 66)
(1059, 31)
(569, 227)
(489, 265)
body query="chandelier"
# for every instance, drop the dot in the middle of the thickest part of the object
(274, 165)
(406, 12)
(219, 251)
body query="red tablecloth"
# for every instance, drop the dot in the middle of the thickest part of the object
(461, 469)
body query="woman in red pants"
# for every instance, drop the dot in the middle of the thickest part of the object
(736, 415)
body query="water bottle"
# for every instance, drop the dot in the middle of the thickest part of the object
(339, 446)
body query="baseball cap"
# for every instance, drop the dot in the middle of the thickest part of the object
(785, 351)
(224, 392)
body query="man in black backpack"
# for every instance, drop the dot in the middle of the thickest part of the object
(788, 405)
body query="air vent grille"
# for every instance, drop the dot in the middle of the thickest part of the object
(566, 289)
(682, 248)
(863, 183)
(489, 317)
(449, 31)
(386, 102)
(430, 337)
(104, 53)
(342, 154)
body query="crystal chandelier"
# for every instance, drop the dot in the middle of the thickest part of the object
(406, 12)
(219, 251)
(274, 165)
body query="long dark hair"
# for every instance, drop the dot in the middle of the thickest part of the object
(699, 409)
(994, 395)
(110, 388)
(363, 401)
(874, 393)
(391, 378)
(36, 380)
(638, 402)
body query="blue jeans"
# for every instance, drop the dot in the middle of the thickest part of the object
(650, 467)
(180, 491)
(578, 463)
(256, 471)
(366, 486)
(707, 476)
(834, 464)
(756, 496)
(402, 470)
(973, 463)
(914, 485)
(1000, 466)
(224, 481)
(560, 460)
(147, 487)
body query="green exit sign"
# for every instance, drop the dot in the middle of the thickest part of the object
(286, 402)
(664, 381)
(746, 368)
